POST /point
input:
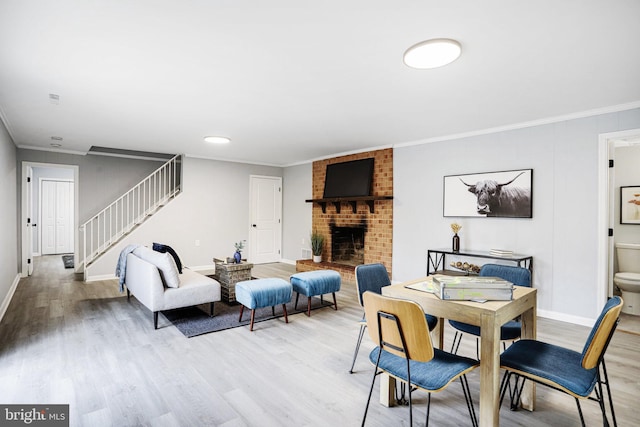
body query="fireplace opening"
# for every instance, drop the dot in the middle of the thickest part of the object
(347, 245)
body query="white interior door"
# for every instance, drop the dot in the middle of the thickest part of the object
(64, 217)
(56, 217)
(265, 236)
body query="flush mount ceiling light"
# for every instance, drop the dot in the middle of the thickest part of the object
(217, 139)
(432, 53)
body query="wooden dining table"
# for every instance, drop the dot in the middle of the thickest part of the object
(490, 316)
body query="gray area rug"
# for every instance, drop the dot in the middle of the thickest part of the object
(68, 261)
(194, 321)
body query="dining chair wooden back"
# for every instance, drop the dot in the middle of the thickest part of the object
(405, 351)
(563, 369)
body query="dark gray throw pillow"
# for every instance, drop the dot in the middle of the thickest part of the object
(159, 247)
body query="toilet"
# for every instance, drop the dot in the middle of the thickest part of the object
(628, 277)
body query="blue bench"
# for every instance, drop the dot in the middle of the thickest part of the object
(261, 293)
(313, 283)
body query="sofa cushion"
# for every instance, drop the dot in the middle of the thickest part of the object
(159, 247)
(164, 262)
(195, 288)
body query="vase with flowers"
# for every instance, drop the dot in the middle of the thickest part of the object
(237, 256)
(455, 227)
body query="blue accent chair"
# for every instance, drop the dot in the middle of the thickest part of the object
(261, 293)
(568, 371)
(374, 277)
(407, 353)
(509, 331)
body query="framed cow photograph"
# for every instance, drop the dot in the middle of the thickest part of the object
(505, 194)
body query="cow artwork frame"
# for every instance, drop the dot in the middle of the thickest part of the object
(630, 205)
(502, 194)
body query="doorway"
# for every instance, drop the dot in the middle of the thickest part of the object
(265, 233)
(607, 202)
(32, 174)
(56, 217)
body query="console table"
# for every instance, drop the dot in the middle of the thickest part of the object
(230, 274)
(436, 259)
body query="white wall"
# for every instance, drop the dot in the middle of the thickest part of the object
(213, 208)
(297, 214)
(562, 236)
(9, 266)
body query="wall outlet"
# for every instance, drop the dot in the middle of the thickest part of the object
(303, 241)
(197, 242)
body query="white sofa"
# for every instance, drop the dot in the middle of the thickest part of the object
(152, 277)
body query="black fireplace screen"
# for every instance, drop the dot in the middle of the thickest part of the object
(347, 245)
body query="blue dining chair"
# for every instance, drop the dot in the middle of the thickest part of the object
(509, 331)
(372, 278)
(405, 351)
(568, 371)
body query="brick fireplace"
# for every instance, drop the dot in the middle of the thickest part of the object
(364, 235)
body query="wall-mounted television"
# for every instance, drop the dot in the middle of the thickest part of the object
(349, 179)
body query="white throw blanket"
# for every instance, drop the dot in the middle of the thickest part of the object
(121, 268)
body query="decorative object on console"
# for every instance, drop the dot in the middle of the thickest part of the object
(501, 252)
(455, 227)
(466, 267)
(505, 194)
(317, 242)
(237, 256)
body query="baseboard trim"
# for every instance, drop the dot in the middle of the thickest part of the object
(288, 261)
(102, 277)
(576, 320)
(9, 296)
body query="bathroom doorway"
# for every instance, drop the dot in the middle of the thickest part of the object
(619, 156)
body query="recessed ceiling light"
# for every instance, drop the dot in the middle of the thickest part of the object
(432, 53)
(217, 139)
(56, 145)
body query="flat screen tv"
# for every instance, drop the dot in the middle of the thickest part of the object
(349, 179)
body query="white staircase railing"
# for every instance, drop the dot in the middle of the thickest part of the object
(115, 221)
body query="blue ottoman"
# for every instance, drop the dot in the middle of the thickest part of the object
(312, 283)
(263, 293)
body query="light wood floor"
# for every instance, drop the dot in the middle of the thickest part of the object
(65, 341)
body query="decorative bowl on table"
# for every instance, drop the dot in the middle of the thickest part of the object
(465, 266)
